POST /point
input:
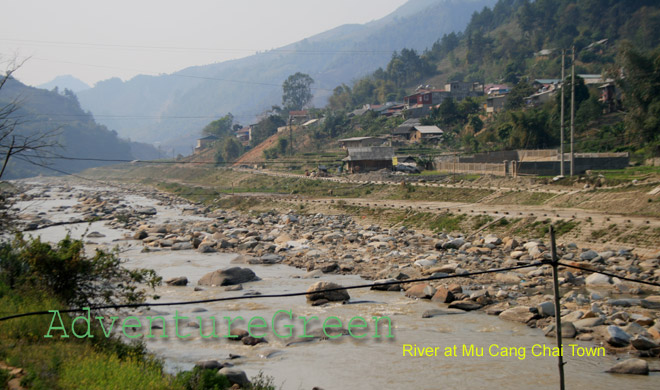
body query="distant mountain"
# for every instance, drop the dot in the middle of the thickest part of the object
(77, 134)
(65, 82)
(171, 110)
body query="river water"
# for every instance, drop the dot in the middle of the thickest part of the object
(345, 362)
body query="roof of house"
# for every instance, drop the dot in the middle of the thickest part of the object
(310, 122)
(371, 153)
(355, 139)
(209, 138)
(428, 129)
(298, 113)
(406, 126)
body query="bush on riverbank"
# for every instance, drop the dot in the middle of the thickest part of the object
(37, 276)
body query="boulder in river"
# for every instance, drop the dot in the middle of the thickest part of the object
(177, 281)
(631, 366)
(228, 277)
(316, 293)
(235, 376)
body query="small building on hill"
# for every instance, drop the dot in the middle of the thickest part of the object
(205, 142)
(425, 133)
(359, 142)
(404, 130)
(370, 158)
(298, 117)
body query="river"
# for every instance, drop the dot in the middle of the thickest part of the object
(346, 362)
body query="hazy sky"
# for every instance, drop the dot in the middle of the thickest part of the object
(95, 40)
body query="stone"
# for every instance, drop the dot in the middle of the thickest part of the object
(519, 314)
(616, 337)
(453, 244)
(140, 235)
(588, 255)
(443, 295)
(235, 376)
(589, 322)
(95, 235)
(465, 304)
(387, 287)
(598, 280)
(177, 281)
(209, 365)
(227, 277)
(179, 246)
(546, 309)
(650, 304)
(507, 278)
(252, 341)
(631, 366)
(642, 343)
(492, 239)
(146, 210)
(421, 291)
(205, 248)
(315, 292)
(441, 312)
(567, 330)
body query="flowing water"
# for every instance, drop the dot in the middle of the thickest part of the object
(345, 362)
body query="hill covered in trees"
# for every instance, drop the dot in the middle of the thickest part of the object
(514, 43)
(56, 119)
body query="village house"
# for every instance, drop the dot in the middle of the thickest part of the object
(425, 97)
(404, 130)
(358, 142)
(370, 158)
(298, 117)
(245, 134)
(205, 142)
(425, 133)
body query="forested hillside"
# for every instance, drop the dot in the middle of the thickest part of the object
(514, 43)
(59, 120)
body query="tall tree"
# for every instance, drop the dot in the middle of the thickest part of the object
(220, 127)
(297, 91)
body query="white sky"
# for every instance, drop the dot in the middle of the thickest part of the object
(94, 40)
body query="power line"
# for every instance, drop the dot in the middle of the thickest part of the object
(285, 295)
(611, 275)
(202, 49)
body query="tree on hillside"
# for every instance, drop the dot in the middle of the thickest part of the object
(641, 86)
(220, 127)
(516, 98)
(297, 91)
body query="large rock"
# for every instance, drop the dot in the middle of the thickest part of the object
(443, 295)
(227, 277)
(178, 281)
(631, 366)
(567, 330)
(315, 292)
(616, 337)
(642, 343)
(588, 255)
(465, 304)
(146, 210)
(422, 291)
(598, 280)
(546, 309)
(235, 376)
(519, 314)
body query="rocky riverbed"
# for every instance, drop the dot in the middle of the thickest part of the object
(623, 317)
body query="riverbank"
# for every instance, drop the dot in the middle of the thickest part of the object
(337, 246)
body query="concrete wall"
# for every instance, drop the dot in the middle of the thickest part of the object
(582, 164)
(480, 168)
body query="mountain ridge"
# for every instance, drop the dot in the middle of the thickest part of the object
(202, 93)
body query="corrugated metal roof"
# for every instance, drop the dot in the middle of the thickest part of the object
(428, 129)
(354, 139)
(373, 153)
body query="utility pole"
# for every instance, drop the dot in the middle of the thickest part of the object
(561, 126)
(555, 285)
(290, 137)
(572, 109)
